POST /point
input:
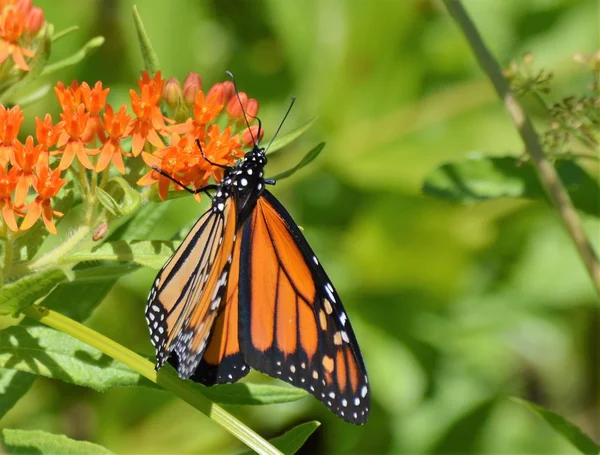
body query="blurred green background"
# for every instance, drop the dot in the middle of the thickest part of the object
(455, 307)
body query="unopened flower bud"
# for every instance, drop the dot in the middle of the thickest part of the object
(229, 90)
(236, 107)
(217, 90)
(35, 20)
(251, 135)
(191, 86)
(252, 108)
(172, 92)
(24, 5)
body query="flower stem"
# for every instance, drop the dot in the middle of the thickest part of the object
(165, 378)
(52, 257)
(546, 172)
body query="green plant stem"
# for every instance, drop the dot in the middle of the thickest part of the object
(52, 257)
(165, 378)
(546, 172)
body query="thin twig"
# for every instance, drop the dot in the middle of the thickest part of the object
(546, 172)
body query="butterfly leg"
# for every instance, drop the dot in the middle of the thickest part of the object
(270, 181)
(204, 188)
(206, 158)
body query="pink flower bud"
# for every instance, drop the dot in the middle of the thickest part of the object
(24, 5)
(236, 107)
(229, 90)
(35, 20)
(218, 91)
(172, 92)
(250, 134)
(252, 108)
(191, 86)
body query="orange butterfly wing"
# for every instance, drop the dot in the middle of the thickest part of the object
(292, 323)
(187, 293)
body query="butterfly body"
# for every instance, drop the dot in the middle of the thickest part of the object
(244, 290)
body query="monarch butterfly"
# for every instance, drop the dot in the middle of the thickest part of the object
(244, 289)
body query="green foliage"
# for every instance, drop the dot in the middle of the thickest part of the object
(451, 305)
(483, 178)
(570, 432)
(39, 442)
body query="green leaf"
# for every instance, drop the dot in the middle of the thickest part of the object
(481, 178)
(128, 199)
(151, 62)
(47, 352)
(107, 201)
(149, 253)
(119, 198)
(247, 393)
(59, 35)
(25, 291)
(570, 432)
(13, 385)
(77, 57)
(293, 440)
(282, 141)
(307, 159)
(34, 442)
(34, 96)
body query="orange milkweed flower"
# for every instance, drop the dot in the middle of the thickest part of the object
(24, 159)
(69, 97)
(10, 124)
(94, 100)
(149, 117)
(251, 134)
(206, 108)
(12, 26)
(46, 133)
(8, 183)
(166, 160)
(47, 183)
(72, 138)
(115, 125)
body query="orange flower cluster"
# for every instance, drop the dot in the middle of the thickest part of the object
(90, 133)
(182, 159)
(23, 166)
(19, 22)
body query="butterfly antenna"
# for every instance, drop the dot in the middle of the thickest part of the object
(281, 124)
(237, 93)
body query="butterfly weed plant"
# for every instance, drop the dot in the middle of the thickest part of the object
(77, 200)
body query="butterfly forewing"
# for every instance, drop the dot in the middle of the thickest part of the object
(293, 325)
(187, 292)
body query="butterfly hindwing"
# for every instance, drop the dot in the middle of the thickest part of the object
(223, 362)
(292, 323)
(186, 295)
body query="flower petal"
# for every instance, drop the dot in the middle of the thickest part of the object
(35, 210)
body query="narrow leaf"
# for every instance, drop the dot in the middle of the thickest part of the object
(34, 442)
(34, 96)
(246, 393)
(151, 62)
(570, 432)
(13, 385)
(59, 35)
(24, 292)
(149, 253)
(307, 159)
(293, 440)
(107, 201)
(77, 57)
(482, 178)
(282, 141)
